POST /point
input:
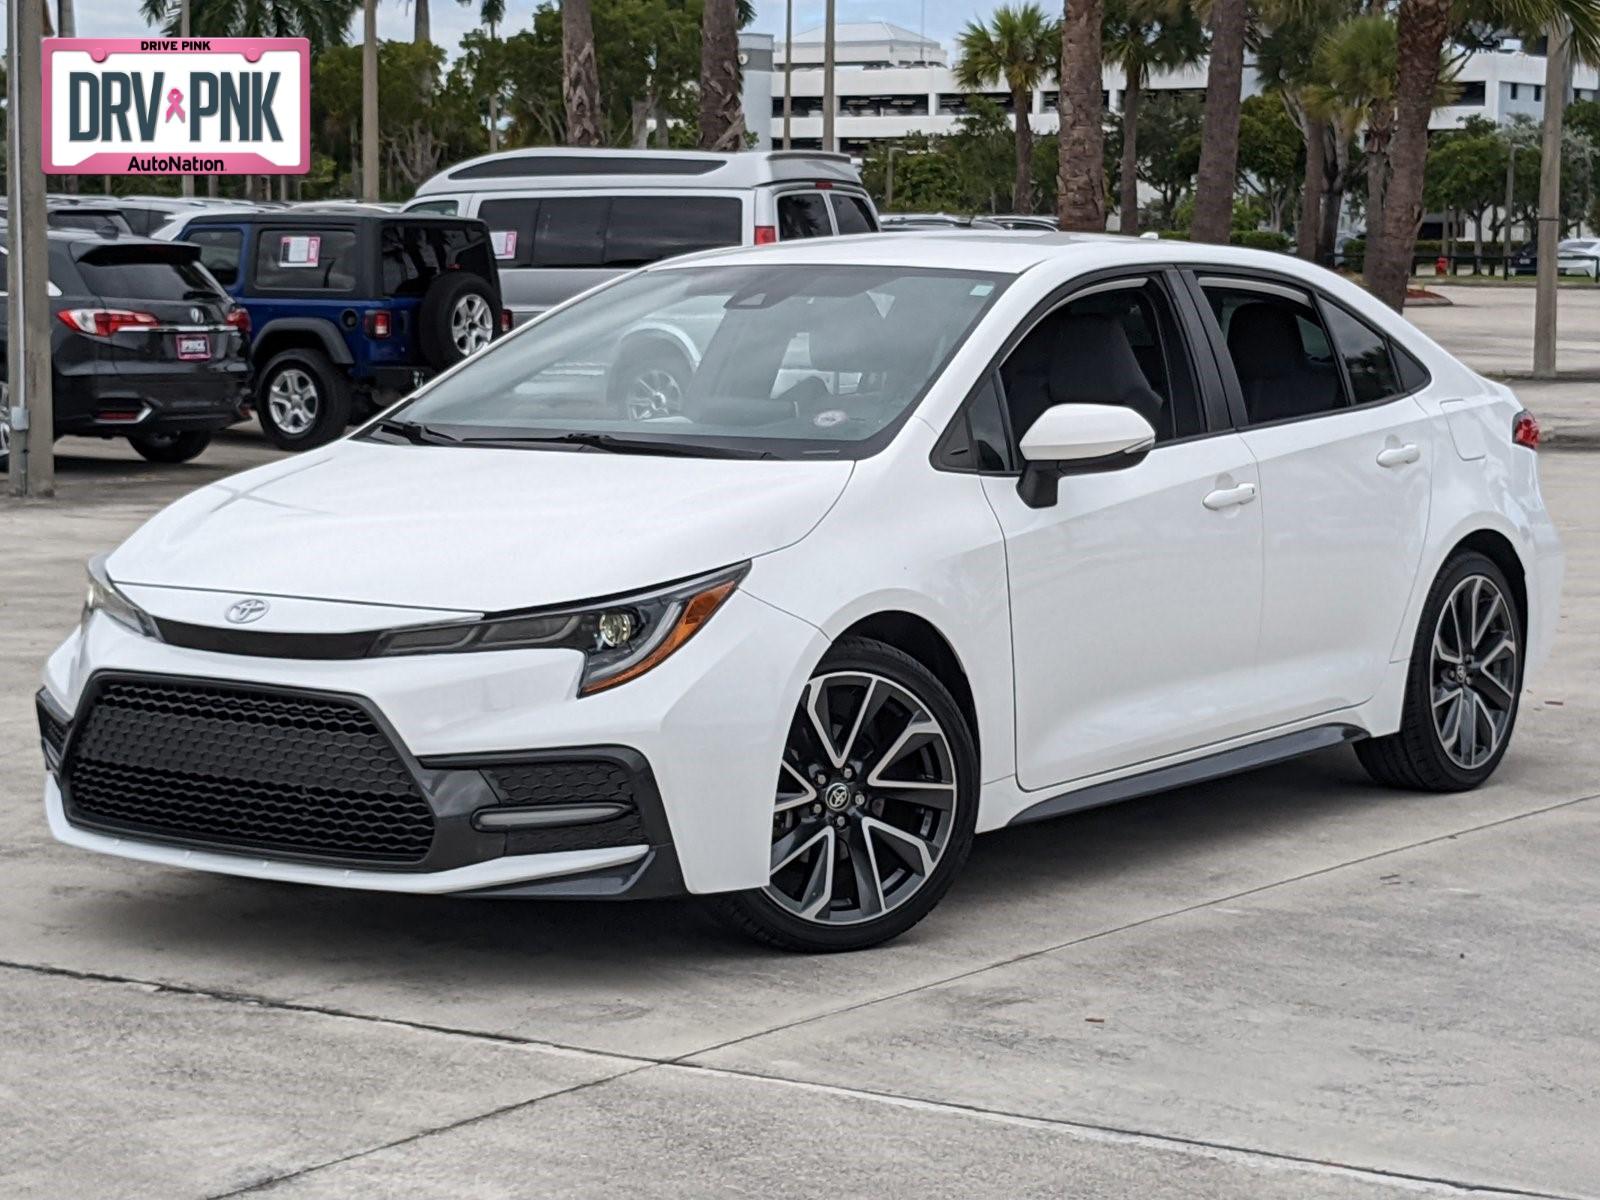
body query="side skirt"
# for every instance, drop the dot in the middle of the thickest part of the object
(1214, 766)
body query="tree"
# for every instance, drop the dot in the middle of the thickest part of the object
(1018, 48)
(323, 23)
(1141, 36)
(1423, 27)
(1081, 193)
(1169, 151)
(1219, 144)
(1271, 156)
(580, 75)
(486, 77)
(721, 115)
(422, 28)
(1355, 64)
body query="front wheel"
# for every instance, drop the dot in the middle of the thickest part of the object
(875, 806)
(171, 447)
(1462, 688)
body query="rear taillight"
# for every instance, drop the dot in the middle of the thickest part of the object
(766, 235)
(505, 320)
(239, 319)
(378, 322)
(103, 322)
(1525, 430)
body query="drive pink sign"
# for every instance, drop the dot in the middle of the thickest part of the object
(164, 106)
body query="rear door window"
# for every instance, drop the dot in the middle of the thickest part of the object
(645, 229)
(219, 252)
(306, 260)
(570, 231)
(510, 223)
(803, 215)
(852, 214)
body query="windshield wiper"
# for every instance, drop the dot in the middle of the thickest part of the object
(613, 444)
(415, 433)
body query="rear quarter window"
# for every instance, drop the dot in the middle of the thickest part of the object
(219, 252)
(306, 260)
(415, 253)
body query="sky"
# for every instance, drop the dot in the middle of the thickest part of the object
(944, 18)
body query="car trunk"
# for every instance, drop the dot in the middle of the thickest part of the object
(180, 333)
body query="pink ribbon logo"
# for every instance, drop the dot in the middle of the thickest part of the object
(175, 105)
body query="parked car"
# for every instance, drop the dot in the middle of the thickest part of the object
(351, 309)
(566, 219)
(907, 222)
(144, 345)
(949, 535)
(1574, 256)
(1023, 221)
(91, 218)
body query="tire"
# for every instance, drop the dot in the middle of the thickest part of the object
(910, 845)
(1458, 716)
(302, 400)
(171, 447)
(649, 380)
(457, 318)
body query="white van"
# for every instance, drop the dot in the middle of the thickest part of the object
(566, 218)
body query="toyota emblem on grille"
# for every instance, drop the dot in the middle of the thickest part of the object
(242, 612)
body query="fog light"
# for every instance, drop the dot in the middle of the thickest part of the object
(616, 628)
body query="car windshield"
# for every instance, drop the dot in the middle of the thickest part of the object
(784, 360)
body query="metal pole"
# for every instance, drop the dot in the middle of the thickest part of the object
(1544, 303)
(30, 414)
(888, 187)
(788, 71)
(828, 101)
(187, 181)
(369, 101)
(1511, 198)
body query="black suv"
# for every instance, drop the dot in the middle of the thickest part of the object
(143, 344)
(351, 309)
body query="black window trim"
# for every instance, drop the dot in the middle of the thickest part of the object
(1319, 299)
(1208, 379)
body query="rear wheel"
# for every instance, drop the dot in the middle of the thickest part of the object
(1463, 685)
(302, 400)
(875, 806)
(171, 447)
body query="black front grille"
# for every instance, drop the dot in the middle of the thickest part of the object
(240, 767)
(569, 781)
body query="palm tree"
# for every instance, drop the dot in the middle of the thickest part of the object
(721, 115)
(1219, 137)
(580, 74)
(323, 23)
(1141, 36)
(1018, 47)
(1080, 179)
(1355, 64)
(422, 30)
(1423, 27)
(491, 13)
(369, 100)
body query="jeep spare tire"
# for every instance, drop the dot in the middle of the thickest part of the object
(457, 318)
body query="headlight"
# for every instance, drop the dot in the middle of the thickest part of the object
(103, 597)
(620, 639)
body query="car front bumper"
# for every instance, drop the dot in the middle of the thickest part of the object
(701, 736)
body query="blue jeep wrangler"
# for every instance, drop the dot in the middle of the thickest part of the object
(349, 310)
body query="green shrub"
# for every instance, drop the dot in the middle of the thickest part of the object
(1261, 239)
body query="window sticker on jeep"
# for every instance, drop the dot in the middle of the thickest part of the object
(504, 242)
(299, 250)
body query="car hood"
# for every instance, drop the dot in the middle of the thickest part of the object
(475, 529)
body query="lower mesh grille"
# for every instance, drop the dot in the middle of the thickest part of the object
(236, 767)
(570, 781)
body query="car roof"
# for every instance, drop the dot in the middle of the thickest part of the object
(551, 167)
(317, 217)
(999, 251)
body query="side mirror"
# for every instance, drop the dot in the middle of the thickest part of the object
(1079, 439)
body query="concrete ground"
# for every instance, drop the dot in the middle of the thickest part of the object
(1288, 985)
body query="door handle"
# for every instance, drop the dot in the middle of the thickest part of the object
(1228, 497)
(1399, 456)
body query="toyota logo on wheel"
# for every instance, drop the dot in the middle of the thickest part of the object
(242, 612)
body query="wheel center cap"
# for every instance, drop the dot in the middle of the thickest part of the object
(837, 797)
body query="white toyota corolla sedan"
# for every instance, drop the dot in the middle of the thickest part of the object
(775, 574)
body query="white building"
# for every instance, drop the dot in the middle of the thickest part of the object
(891, 82)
